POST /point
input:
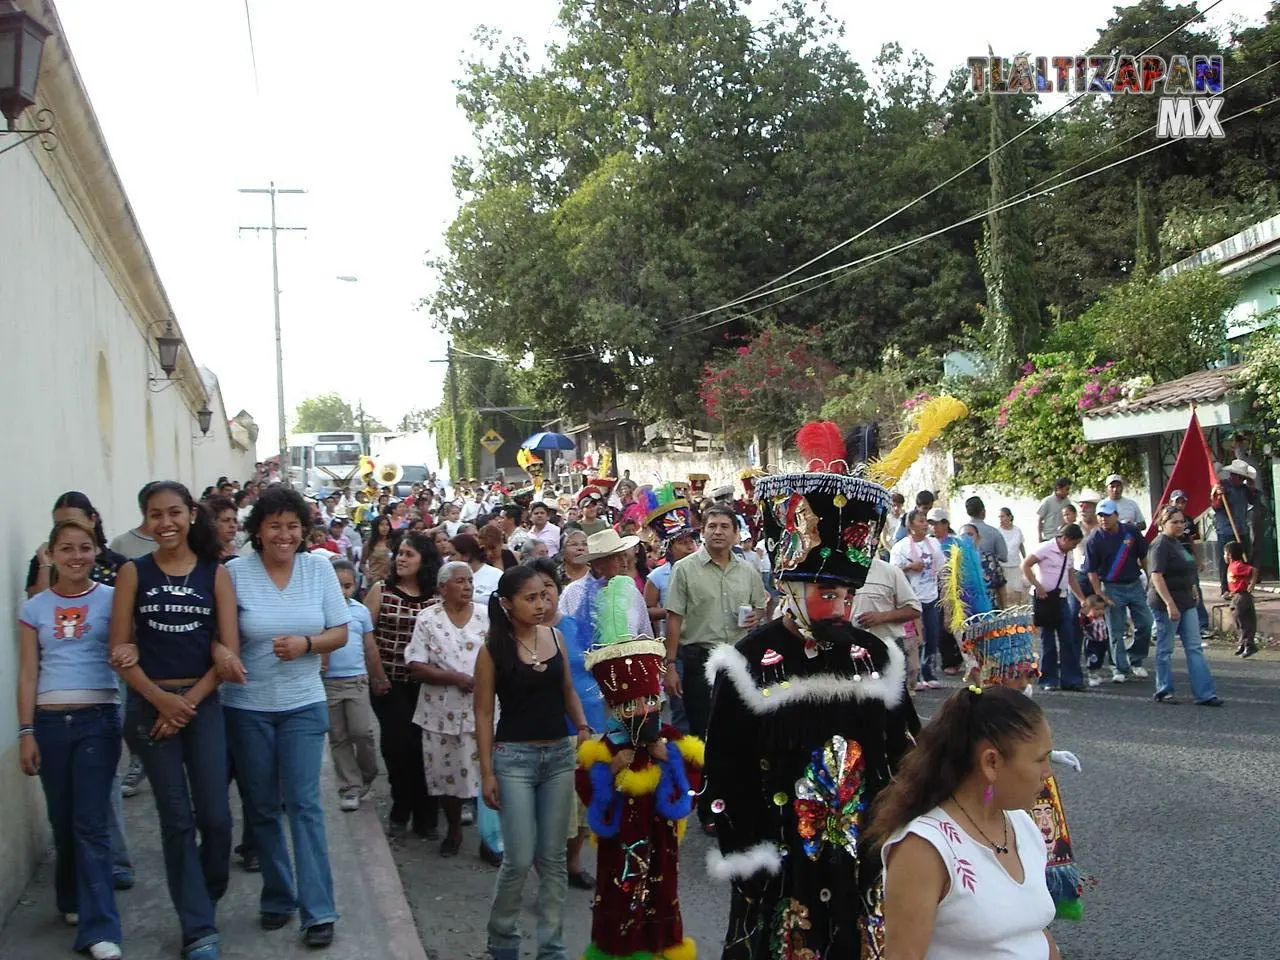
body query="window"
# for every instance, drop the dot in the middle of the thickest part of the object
(337, 454)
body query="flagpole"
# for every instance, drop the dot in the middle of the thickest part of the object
(1222, 495)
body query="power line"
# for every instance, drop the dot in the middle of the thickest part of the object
(766, 288)
(862, 263)
(253, 54)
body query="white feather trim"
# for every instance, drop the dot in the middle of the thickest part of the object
(889, 689)
(745, 863)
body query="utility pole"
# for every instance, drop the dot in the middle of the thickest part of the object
(272, 191)
(453, 415)
(364, 433)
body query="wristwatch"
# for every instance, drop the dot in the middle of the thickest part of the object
(308, 644)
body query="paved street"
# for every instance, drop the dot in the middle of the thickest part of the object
(1170, 817)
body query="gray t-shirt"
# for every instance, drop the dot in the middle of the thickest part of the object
(133, 545)
(1181, 573)
(1050, 514)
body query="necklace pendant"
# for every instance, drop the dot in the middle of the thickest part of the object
(538, 666)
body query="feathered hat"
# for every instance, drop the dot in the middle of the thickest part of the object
(666, 512)
(822, 525)
(1003, 642)
(626, 667)
(597, 488)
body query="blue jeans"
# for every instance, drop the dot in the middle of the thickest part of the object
(1060, 650)
(79, 753)
(1131, 598)
(1187, 627)
(188, 774)
(121, 861)
(931, 622)
(536, 784)
(279, 753)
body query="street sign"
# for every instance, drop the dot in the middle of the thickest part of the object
(492, 440)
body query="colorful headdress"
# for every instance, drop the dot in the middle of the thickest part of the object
(597, 488)
(666, 512)
(627, 668)
(822, 525)
(1002, 642)
(698, 484)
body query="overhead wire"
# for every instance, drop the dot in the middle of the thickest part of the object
(862, 263)
(253, 53)
(768, 287)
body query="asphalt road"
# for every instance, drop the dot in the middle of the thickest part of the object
(1172, 817)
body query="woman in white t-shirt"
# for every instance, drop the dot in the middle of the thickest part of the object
(1015, 584)
(964, 862)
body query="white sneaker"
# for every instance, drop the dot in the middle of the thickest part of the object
(105, 950)
(1118, 677)
(1139, 672)
(1094, 680)
(71, 919)
(349, 803)
(921, 686)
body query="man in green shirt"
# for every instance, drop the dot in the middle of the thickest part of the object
(707, 589)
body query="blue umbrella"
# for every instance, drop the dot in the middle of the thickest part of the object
(549, 441)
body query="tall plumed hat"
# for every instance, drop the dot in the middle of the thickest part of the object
(597, 488)
(666, 512)
(627, 668)
(822, 525)
(1002, 641)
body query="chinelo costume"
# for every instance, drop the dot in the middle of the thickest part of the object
(809, 718)
(666, 515)
(1003, 644)
(638, 812)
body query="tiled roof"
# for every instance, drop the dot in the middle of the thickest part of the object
(1203, 386)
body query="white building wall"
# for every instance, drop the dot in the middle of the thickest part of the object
(79, 416)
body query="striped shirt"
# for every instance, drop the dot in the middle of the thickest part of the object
(310, 604)
(397, 614)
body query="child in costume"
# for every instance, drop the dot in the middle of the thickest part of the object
(1003, 642)
(638, 782)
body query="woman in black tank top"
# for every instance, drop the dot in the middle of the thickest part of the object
(527, 766)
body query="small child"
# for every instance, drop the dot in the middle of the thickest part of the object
(1241, 578)
(346, 688)
(1097, 640)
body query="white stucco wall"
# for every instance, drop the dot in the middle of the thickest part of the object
(78, 416)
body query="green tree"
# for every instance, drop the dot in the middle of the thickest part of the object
(416, 420)
(1146, 259)
(1011, 320)
(327, 412)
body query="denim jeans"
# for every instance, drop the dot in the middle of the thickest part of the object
(931, 621)
(79, 753)
(279, 753)
(1128, 597)
(536, 785)
(188, 774)
(1060, 650)
(121, 861)
(1187, 627)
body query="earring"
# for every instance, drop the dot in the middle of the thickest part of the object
(987, 795)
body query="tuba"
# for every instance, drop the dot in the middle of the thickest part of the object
(388, 474)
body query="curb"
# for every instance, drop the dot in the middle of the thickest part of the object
(401, 934)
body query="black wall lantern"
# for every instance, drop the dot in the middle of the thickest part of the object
(21, 45)
(167, 345)
(204, 416)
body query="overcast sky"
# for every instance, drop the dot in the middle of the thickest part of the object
(355, 103)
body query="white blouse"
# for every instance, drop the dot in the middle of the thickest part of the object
(985, 915)
(439, 642)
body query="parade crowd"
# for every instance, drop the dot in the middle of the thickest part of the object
(544, 665)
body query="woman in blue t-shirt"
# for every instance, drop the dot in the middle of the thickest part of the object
(69, 731)
(174, 638)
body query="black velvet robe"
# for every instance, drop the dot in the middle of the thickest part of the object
(788, 812)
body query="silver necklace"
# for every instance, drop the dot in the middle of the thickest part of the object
(536, 661)
(169, 581)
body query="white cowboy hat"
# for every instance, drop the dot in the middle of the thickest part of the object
(607, 542)
(1241, 469)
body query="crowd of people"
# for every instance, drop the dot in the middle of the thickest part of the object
(221, 641)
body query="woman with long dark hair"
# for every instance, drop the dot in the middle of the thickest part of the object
(291, 612)
(964, 862)
(173, 637)
(527, 763)
(394, 606)
(376, 565)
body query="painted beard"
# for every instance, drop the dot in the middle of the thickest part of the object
(644, 730)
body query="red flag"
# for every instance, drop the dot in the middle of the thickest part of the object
(1193, 474)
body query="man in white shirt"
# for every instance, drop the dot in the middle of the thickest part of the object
(1052, 581)
(471, 508)
(1128, 510)
(548, 533)
(921, 558)
(605, 553)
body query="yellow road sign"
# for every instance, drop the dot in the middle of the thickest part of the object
(492, 440)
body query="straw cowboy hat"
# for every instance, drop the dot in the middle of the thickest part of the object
(1242, 469)
(607, 542)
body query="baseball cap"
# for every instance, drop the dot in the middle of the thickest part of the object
(1108, 507)
(1177, 495)
(936, 514)
(1114, 478)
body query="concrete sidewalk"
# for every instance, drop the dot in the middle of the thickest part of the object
(375, 918)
